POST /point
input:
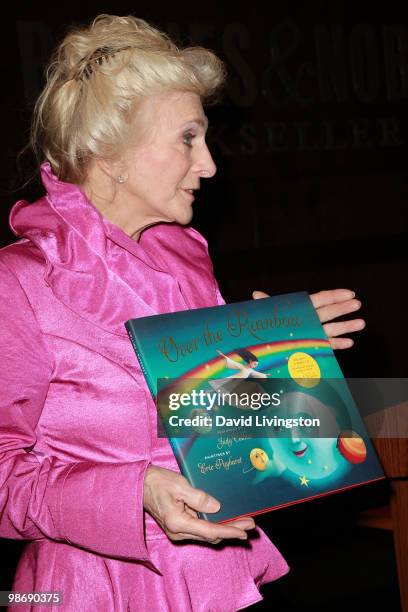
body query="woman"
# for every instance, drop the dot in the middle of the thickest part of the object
(111, 522)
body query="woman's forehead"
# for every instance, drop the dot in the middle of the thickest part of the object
(175, 110)
(161, 118)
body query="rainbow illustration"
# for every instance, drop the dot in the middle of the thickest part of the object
(272, 358)
(271, 355)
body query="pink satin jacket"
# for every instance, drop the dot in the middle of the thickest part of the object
(78, 425)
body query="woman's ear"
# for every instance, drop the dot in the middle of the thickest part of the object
(114, 170)
(102, 179)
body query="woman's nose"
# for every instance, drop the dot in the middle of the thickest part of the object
(205, 165)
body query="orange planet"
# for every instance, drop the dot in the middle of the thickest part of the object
(352, 447)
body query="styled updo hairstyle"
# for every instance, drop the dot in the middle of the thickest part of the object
(95, 79)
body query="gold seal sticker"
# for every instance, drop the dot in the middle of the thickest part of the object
(304, 369)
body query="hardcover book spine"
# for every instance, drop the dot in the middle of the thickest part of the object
(145, 372)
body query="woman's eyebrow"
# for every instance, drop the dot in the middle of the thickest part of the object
(200, 121)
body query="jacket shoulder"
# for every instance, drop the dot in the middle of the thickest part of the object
(22, 255)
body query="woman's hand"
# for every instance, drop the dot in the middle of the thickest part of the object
(170, 499)
(330, 305)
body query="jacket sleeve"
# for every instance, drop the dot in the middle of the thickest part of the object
(97, 506)
(220, 299)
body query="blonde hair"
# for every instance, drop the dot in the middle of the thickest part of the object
(94, 81)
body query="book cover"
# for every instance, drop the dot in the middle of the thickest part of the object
(254, 403)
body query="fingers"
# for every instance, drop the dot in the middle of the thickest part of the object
(257, 295)
(343, 327)
(190, 511)
(322, 298)
(199, 500)
(336, 303)
(177, 537)
(245, 522)
(333, 296)
(184, 526)
(174, 503)
(331, 304)
(341, 343)
(332, 311)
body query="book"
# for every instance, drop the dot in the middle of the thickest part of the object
(254, 403)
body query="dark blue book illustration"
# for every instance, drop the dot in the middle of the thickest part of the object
(254, 403)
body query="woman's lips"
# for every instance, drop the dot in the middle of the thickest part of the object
(189, 192)
(300, 453)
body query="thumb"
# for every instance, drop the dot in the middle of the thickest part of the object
(200, 500)
(259, 294)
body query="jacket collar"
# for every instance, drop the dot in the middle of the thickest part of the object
(73, 238)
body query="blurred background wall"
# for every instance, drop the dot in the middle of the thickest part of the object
(310, 141)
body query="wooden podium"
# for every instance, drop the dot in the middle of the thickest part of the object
(393, 453)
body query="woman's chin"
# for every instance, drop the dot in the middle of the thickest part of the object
(183, 217)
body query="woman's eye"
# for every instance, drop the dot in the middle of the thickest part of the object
(188, 139)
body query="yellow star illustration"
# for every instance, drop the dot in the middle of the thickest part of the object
(304, 481)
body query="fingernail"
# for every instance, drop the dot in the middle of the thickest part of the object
(211, 505)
